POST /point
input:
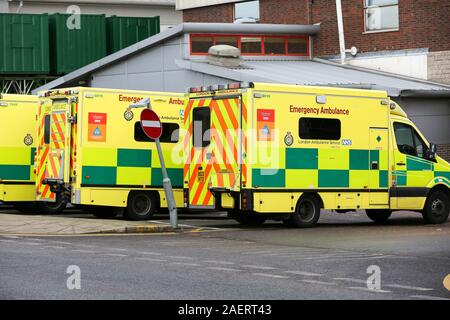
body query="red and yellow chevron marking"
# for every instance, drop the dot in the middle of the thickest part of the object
(42, 191)
(222, 167)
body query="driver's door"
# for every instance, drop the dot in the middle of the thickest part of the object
(412, 170)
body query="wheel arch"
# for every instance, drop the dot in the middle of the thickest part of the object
(312, 194)
(152, 192)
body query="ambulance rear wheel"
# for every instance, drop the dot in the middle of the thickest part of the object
(141, 206)
(52, 207)
(378, 216)
(307, 212)
(437, 208)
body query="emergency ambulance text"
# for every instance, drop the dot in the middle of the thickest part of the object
(317, 111)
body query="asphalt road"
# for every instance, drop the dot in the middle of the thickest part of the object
(232, 262)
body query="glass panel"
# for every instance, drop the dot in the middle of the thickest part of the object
(47, 129)
(380, 18)
(319, 128)
(202, 122)
(170, 133)
(251, 45)
(369, 3)
(297, 46)
(229, 40)
(421, 147)
(404, 138)
(248, 9)
(274, 45)
(201, 44)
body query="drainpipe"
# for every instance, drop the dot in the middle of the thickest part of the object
(340, 30)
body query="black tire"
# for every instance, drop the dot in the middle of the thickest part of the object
(378, 215)
(104, 212)
(140, 206)
(52, 207)
(307, 212)
(437, 208)
(250, 220)
(26, 207)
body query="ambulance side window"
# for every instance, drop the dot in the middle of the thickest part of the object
(170, 133)
(202, 123)
(408, 141)
(319, 129)
(47, 129)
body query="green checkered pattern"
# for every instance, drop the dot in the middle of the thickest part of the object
(127, 167)
(17, 164)
(325, 168)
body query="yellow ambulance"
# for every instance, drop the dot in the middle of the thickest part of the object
(284, 152)
(17, 148)
(92, 150)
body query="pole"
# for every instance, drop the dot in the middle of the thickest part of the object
(340, 30)
(168, 188)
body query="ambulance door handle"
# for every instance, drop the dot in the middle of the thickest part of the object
(401, 164)
(374, 165)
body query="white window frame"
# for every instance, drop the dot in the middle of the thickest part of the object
(259, 9)
(381, 6)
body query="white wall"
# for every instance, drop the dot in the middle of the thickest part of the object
(411, 65)
(153, 69)
(168, 15)
(189, 4)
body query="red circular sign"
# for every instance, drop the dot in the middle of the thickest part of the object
(151, 124)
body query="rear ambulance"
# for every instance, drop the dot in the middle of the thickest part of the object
(93, 152)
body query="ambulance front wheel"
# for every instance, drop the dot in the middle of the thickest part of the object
(140, 206)
(378, 216)
(437, 207)
(307, 212)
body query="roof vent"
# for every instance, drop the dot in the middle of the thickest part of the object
(224, 55)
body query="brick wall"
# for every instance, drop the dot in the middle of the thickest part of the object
(439, 66)
(423, 23)
(284, 11)
(218, 13)
(443, 150)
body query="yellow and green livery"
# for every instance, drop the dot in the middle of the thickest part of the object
(92, 150)
(17, 153)
(286, 151)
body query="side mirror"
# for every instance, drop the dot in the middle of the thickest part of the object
(431, 154)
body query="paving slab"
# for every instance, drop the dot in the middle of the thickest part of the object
(21, 224)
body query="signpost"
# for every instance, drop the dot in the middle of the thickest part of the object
(152, 126)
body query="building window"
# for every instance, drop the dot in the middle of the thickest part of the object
(248, 9)
(252, 44)
(228, 40)
(319, 129)
(170, 133)
(273, 45)
(381, 15)
(202, 43)
(297, 46)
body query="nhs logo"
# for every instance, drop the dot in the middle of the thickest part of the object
(346, 142)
